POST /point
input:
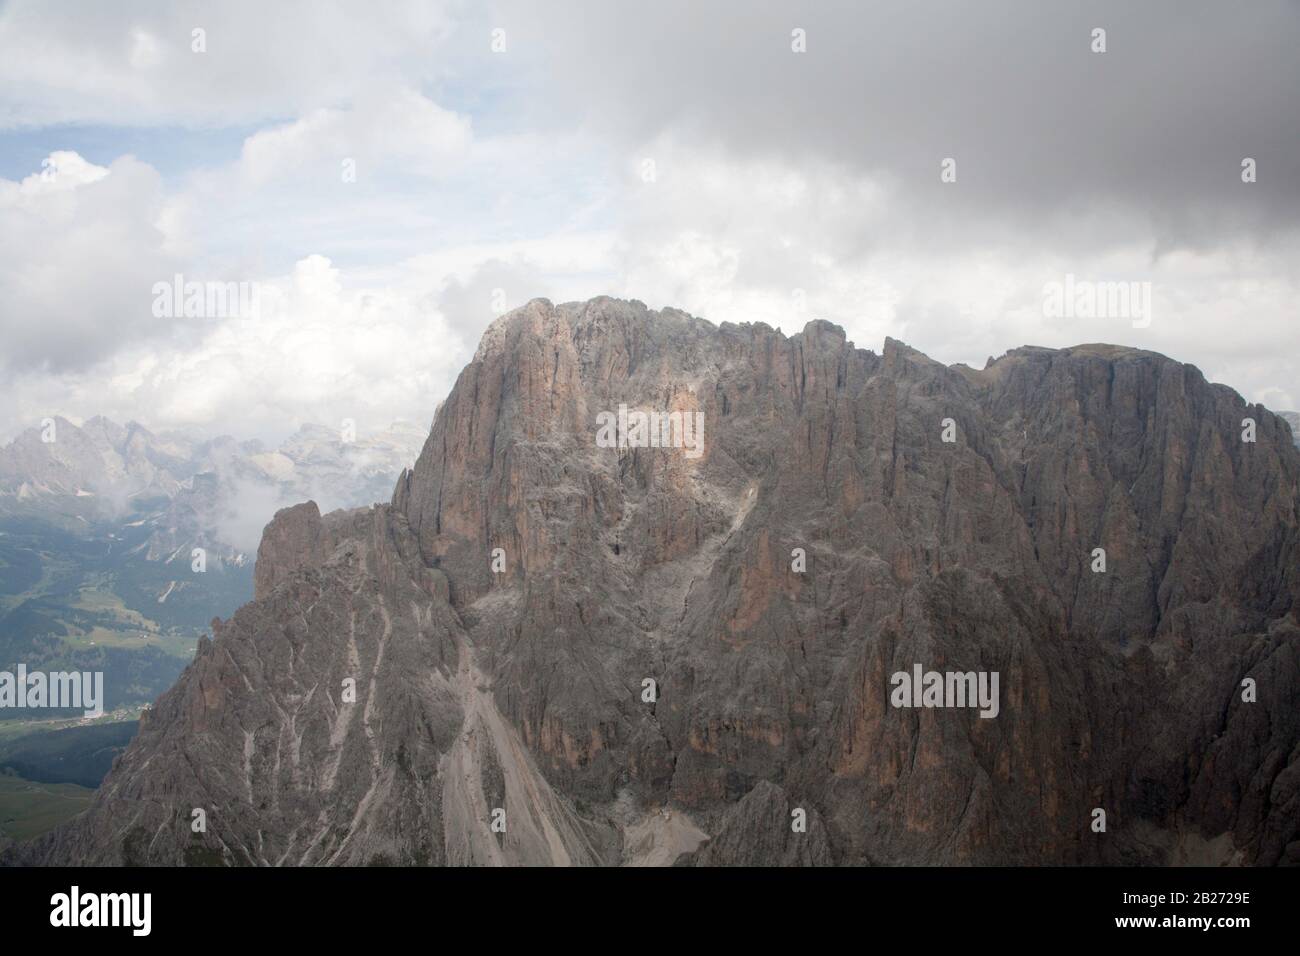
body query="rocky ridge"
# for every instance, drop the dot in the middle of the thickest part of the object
(515, 679)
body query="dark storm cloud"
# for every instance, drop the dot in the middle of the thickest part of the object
(1047, 134)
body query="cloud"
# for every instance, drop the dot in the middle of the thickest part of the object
(785, 186)
(322, 347)
(1044, 130)
(80, 247)
(315, 352)
(135, 64)
(757, 240)
(399, 128)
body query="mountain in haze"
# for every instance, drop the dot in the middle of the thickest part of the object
(99, 526)
(1293, 419)
(190, 492)
(552, 648)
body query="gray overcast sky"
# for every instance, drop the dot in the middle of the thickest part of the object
(679, 153)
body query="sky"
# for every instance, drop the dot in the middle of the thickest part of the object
(387, 177)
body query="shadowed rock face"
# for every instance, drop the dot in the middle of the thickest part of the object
(523, 688)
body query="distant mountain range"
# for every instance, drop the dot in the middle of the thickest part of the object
(191, 492)
(100, 522)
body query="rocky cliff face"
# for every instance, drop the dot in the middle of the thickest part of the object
(463, 675)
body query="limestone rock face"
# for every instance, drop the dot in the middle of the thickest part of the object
(686, 644)
(290, 542)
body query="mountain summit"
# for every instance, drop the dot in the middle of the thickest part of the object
(547, 650)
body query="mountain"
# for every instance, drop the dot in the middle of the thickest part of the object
(1293, 419)
(190, 492)
(99, 524)
(693, 654)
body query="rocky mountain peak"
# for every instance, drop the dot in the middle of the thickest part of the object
(637, 650)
